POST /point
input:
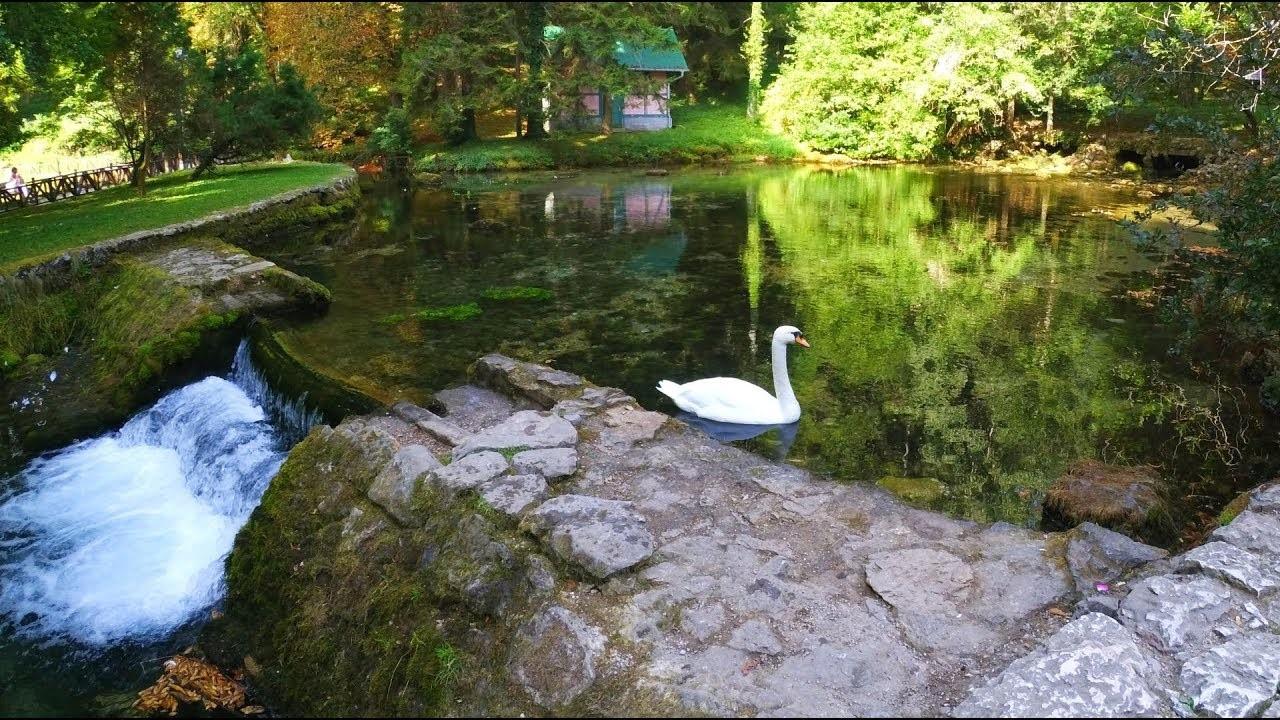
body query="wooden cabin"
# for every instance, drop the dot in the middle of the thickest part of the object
(633, 112)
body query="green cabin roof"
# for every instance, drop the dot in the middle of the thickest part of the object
(634, 57)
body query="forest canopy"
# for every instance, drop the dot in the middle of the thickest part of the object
(908, 81)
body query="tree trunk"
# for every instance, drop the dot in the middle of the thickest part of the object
(533, 88)
(1048, 123)
(141, 165)
(606, 112)
(1009, 110)
(1251, 121)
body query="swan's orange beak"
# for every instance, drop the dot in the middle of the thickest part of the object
(802, 342)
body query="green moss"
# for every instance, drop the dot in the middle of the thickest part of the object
(453, 313)
(913, 490)
(1233, 509)
(517, 292)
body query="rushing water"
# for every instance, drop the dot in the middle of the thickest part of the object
(972, 334)
(112, 548)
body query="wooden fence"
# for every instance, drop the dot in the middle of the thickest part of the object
(47, 190)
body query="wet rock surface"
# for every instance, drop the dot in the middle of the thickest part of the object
(670, 574)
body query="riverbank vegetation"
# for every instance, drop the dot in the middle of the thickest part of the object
(44, 231)
(701, 134)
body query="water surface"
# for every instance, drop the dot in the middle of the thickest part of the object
(972, 334)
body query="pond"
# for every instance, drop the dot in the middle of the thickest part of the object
(972, 334)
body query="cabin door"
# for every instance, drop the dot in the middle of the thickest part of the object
(617, 102)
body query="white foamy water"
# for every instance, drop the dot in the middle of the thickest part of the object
(123, 537)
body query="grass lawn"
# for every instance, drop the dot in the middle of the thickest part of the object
(44, 231)
(704, 133)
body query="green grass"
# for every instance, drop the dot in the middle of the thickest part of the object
(44, 231)
(700, 134)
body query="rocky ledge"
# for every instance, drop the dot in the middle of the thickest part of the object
(547, 546)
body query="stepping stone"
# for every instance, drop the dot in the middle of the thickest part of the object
(513, 494)
(469, 472)
(602, 537)
(527, 429)
(551, 463)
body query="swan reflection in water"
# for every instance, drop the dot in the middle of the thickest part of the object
(730, 432)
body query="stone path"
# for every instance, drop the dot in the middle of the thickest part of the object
(731, 585)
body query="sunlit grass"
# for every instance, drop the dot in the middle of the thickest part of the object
(700, 134)
(44, 231)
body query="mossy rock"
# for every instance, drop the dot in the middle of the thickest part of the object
(452, 313)
(289, 374)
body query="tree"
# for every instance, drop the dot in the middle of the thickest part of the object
(239, 111)
(142, 78)
(1074, 43)
(45, 50)
(348, 53)
(1216, 52)
(227, 26)
(754, 50)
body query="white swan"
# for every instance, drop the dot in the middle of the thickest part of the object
(732, 400)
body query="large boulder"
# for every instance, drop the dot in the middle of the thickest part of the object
(1121, 498)
(600, 536)
(1092, 667)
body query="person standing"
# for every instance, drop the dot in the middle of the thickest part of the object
(16, 184)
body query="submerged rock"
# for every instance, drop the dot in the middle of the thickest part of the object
(600, 536)
(1109, 495)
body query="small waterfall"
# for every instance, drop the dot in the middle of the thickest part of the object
(121, 538)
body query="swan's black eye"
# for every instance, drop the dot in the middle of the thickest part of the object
(798, 334)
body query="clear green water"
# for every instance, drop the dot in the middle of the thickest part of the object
(973, 329)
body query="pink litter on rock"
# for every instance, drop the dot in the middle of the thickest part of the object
(1102, 587)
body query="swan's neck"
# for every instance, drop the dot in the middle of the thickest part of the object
(782, 383)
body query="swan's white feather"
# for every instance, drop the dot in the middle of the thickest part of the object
(725, 399)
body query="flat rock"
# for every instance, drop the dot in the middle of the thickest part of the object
(539, 383)
(626, 425)
(1255, 531)
(1249, 571)
(1175, 611)
(1235, 679)
(919, 579)
(475, 408)
(527, 429)
(601, 536)
(551, 463)
(555, 657)
(592, 400)
(393, 487)
(757, 637)
(513, 494)
(469, 472)
(1096, 554)
(1092, 667)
